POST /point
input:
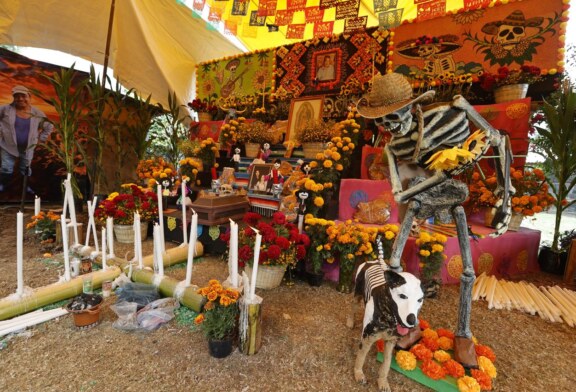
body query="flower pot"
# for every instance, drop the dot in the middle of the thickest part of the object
(315, 279)
(252, 149)
(269, 276)
(312, 148)
(220, 348)
(204, 116)
(125, 233)
(346, 277)
(87, 317)
(552, 262)
(510, 92)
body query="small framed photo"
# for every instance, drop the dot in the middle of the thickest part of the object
(259, 179)
(302, 111)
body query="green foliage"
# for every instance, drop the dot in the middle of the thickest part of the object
(556, 143)
(141, 118)
(69, 104)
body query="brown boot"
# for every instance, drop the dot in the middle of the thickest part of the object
(464, 352)
(408, 340)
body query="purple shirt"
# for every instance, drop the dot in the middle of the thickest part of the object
(22, 126)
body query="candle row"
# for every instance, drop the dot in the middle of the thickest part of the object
(553, 303)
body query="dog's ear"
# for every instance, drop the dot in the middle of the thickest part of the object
(393, 279)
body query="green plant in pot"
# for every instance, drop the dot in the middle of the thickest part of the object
(556, 143)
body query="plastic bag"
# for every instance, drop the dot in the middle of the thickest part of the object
(140, 293)
(126, 312)
(156, 313)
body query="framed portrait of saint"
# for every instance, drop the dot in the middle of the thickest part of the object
(303, 111)
(259, 179)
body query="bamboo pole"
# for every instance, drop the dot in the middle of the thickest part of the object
(53, 293)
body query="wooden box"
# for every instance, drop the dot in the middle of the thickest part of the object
(217, 210)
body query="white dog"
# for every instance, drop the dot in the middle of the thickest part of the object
(392, 301)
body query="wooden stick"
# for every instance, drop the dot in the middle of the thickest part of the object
(553, 309)
(565, 314)
(559, 294)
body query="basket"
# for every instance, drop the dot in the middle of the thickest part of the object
(312, 148)
(252, 149)
(269, 276)
(204, 116)
(125, 233)
(510, 92)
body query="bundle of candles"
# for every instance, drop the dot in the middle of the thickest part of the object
(552, 303)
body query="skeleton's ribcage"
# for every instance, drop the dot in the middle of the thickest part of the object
(444, 126)
(374, 277)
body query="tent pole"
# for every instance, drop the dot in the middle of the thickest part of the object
(108, 39)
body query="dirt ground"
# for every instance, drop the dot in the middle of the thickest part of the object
(306, 345)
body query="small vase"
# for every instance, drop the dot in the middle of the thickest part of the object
(220, 348)
(346, 277)
(315, 278)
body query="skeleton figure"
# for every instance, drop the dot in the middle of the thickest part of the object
(302, 197)
(418, 133)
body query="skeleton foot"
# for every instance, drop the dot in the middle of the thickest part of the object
(383, 385)
(359, 376)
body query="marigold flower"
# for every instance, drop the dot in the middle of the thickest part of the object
(441, 356)
(318, 201)
(487, 366)
(423, 324)
(432, 369)
(482, 378)
(406, 360)
(199, 319)
(445, 343)
(468, 384)
(445, 332)
(429, 333)
(453, 368)
(482, 350)
(421, 352)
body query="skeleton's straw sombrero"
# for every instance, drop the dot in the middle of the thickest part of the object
(389, 93)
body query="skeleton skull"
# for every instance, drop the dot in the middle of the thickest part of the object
(397, 123)
(427, 50)
(509, 35)
(415, 229)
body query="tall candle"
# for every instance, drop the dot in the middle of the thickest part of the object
(36, 205)
(92, 223)
(182, 199)
(255, 264)
(73, 212)
(19, 253)
(191, 247)
(234, 252)
(160, 216)
(103, 248)
(110, 234)
(65, 247)
(158, 250)
(138, 239)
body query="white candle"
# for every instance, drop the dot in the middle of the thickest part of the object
(158, 250)
(73, 212)
(103, 248)
(92, 223)
(160, 216)
(138, 240)
(65, 247)
(191, 248)
(233, 249)
(36, 205)
(110, 234)
(19, 253)
(182, 199)
(255, 264)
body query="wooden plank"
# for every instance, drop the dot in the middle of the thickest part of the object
(570, 263)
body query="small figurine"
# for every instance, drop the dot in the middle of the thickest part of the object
(302, 196)
(307, 169)
(275, 180)
(265, 152)
(236, 158)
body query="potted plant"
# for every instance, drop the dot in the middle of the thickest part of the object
(205, 110)
(531, 196)
(253, 135)
(44, 226)
(281, 247)
(154, 171)
(431, 254)
(122, 205)
(219, 319)
(320, 249)
(556, 143)
(510, 84)
(314, 135)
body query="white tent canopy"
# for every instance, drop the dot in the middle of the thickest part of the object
(155, 44)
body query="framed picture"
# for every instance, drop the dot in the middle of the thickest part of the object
(325, 66)
(302, 111)
(259, 178)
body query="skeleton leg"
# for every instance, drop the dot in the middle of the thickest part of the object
(463, 345)
(403, 234)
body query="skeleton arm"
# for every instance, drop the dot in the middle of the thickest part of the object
(501, 145)
(394, 174)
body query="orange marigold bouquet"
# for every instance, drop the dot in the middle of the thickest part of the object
(531, 195)
(220, 312)
(431, 254)
(155, 171)
(437, 363)
(44, 225)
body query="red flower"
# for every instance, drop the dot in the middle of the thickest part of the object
(304, 240)
(245, 253)
(252, 218)
(274, 252)
(282, 242)
(300, 252)
(225, 236)
(279, 218)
